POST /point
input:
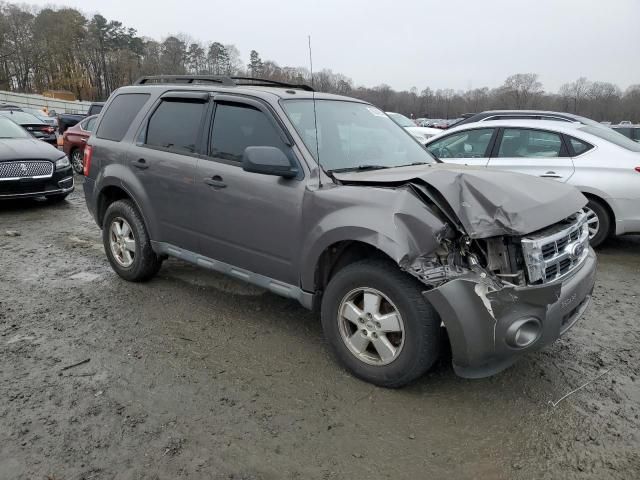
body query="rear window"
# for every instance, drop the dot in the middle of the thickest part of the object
(175, 125)
(612, 136)
(118, 117)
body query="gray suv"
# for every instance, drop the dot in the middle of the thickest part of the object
(325, 200)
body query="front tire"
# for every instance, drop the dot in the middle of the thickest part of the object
(598, 222)
(379, 325)
(127, 243)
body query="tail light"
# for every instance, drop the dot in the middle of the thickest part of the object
(637, 169)
(86, 161)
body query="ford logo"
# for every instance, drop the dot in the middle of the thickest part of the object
(576, 251)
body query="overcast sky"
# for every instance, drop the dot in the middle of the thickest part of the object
(404, 43)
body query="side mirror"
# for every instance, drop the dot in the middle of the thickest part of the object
(268, 161)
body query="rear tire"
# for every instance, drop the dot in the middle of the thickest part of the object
(597, 218)
(401, 356)
(127, 243)
(77, 161)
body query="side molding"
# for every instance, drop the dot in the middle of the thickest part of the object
(275, 286)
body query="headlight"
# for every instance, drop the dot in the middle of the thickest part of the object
(62, 162)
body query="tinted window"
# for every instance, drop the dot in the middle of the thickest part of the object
(236, 127)
(579, 147)
(518, 142)
(121, 112)
(176, 125)
(467, 144)
(612, 136)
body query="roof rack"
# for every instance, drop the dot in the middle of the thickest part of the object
(221, 79)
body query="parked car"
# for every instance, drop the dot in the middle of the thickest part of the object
(602, 164)
(420, 133)
(75, 139)
(632, 132)
(525, 114)
(326, 200)
(66, 120)
(625, 122)
(31, 168)
(53, 121)
(32, 124)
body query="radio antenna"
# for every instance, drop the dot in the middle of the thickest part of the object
(315, 115)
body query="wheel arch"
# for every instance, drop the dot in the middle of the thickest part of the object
(607, 207)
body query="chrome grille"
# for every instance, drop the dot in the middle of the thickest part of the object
(555, 252)
(26, 169)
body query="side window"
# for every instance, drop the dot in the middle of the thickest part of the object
(118, 117)
(467, 144)
(525, 143)
(236, 127)
(175, 125)
(89, 124)
(578, 146)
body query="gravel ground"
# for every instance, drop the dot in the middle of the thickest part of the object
(194, 375)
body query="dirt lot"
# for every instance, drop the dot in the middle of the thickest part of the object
(194, 375)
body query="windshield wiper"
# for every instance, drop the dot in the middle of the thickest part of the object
(359, 168)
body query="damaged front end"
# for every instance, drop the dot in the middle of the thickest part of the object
(503, 296)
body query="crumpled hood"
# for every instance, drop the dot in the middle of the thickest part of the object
(27, 149)
(487, 202)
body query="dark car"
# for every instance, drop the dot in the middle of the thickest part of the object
(31, 168)
(32, 124)
(524, 115)
(326, 200)
(75, 139)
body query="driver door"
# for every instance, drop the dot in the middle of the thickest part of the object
(467, 147)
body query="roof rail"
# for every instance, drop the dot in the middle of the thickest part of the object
(185, 79)
(263, 82)
(221, 79)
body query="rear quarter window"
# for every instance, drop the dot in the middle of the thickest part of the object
(117, 118)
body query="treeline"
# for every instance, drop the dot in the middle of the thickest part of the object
(61, 49)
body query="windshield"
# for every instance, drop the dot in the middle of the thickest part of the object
(612, 136)
(22, 118)
(353, 135)
(401, 119)
(8, 129)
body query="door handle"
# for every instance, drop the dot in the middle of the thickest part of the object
(215, 181)
(141, 163)
(551, 175)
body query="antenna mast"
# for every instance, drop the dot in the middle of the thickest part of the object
(315, 116)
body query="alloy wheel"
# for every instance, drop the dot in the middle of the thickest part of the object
(593, 222)
(122, 242)
(371, 326)
(76, 160)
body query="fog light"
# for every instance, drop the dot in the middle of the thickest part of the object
(524, 332)
(66, 182)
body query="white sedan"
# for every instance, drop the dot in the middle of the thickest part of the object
(422, 134)
(600, 162)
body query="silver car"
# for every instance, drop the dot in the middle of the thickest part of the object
(601, 163)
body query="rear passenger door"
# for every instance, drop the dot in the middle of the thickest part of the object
(165, 160)
(468, 147)
(533, 152)
(248, 220)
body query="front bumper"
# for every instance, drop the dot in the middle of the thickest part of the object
(60, 183)
(481, 325)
